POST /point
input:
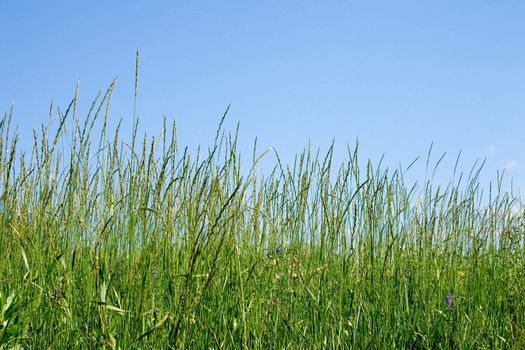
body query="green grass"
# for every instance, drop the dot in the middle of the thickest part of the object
(113, 244)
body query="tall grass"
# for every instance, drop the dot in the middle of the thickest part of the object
(105, 244)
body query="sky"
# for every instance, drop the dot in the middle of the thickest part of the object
(396, 75)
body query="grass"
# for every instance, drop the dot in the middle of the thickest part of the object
(108, 244)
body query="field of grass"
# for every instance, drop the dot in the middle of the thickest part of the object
(139, 244)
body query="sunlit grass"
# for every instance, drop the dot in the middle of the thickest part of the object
(105, 243)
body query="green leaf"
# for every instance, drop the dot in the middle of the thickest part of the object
(156, 326)
(114, 308)
(8, 302)
(103, 291)
(24, 256)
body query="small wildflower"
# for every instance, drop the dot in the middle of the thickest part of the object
(461, 273)
(450, 300)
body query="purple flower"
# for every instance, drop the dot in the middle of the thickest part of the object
(450, 300)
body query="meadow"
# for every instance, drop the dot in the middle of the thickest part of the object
(139, 244)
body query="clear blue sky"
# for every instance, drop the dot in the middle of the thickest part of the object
(396, 74)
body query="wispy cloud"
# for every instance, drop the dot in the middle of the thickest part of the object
(517, 210)
(511, 164)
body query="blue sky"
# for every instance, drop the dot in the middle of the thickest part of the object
(398, 75)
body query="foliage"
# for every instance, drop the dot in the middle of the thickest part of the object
(106, 244)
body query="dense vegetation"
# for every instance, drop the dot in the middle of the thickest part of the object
(108, 244)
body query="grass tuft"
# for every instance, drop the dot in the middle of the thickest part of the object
(110, 245)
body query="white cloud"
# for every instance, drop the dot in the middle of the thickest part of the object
(517, 210)
(511, 164)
